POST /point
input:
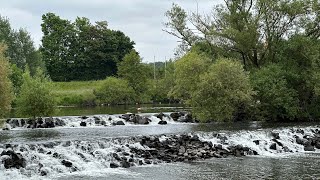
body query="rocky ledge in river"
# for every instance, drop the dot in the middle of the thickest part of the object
(174, 148)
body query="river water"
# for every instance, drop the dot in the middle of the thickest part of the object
(101, 140)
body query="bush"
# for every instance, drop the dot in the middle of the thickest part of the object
(222, 91)
(35, 98)
(276, 99)
(114, 91)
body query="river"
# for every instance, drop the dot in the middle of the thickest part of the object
(103, 140)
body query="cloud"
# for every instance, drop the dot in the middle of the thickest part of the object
(141, 20)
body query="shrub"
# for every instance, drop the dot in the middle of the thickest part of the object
(35, 98)
(114, 91)
(221, 91)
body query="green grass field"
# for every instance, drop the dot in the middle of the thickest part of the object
(75, 93)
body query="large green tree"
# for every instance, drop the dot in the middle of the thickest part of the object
(80, 50)
(249, 30)
(6, 90)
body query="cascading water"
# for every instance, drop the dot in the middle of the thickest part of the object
(57, 158)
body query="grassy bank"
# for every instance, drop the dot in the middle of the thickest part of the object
(75, 93)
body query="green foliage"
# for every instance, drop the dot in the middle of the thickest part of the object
(187, 73)
(276, 99)
(6, 90)
(35, 98)
(114, 91)
(81, 50)
(136, 73)
(21, 50)
(16, 78)
(75, 93)
(221, 91)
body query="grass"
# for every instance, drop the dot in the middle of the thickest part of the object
(75, 93)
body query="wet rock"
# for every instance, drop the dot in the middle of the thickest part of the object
(59, 122)
(162, 122)
(49, 123)
(275, 135)
(7, 127)
(125, 164)
(114, 165)
(103, 123)
(118, 123)
(175, 116)
(309, 148)
(97, 120)
(273, 146)
(160, 115)
(84, 117)
(140, 120)
(10, 159)
(66, 163)
(83, 124)
(257, 142)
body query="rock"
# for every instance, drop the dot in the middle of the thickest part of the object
(96, 120)
(175, 116)
(257, 142)
(7, 127)
(186, 119)
(83, 124)
(125, 164)
(118, 123)
(59, 122)
(126, 117)
(162, 122)
(66, 163)
(84, 117)
(142, 120)
(275, 135)
(103, 123)
(278, 143)
(273, 146)
(12, 159)
(114, 165)
(43, 173)
(49, 123)
(182, 149)
(160, 115)
(309, 148)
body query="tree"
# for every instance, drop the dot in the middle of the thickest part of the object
(35, 98)
(187, 73)
(221, 91)
(80, 50)
(6, 91)
(114, 91)
(249, 30)
(21, 50)
(277, 100)
(132, 70)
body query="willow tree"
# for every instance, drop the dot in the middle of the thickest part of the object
(249, 30)
(6, 90)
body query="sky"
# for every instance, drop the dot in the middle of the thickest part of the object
(141, 20)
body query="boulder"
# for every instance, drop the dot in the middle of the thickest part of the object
(175, 116)
(273, 146)
(84, 117)
(118, 123)
(11, 159)
(49, 123)
(275, 135)
(114, 165)
(163, 122)
(160, 115)
(66, 163)
(83, 124)
(309, 148)
(140, 120)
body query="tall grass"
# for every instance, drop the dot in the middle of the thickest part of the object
(75, 93)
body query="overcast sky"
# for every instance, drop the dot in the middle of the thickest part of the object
(141, 20)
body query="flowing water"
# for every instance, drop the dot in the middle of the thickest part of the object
(89, 149)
